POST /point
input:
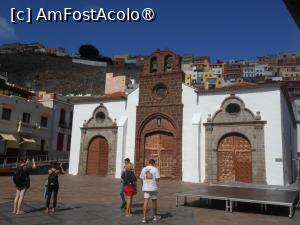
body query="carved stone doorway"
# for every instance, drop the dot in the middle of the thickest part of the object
(98, 144)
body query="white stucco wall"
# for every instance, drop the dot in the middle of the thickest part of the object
(132, 102)
(83, 112)
(289, 142)
(121, 144)
(126, 133)
(266, 101)
(298, 137)
(296, 105)
(124, 111)
(191, 131)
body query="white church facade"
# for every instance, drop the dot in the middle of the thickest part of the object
(240, 133)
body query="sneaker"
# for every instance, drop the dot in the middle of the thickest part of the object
(123, 205)
(156, 218)
(144, 220)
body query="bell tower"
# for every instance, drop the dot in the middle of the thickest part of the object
(159, 114)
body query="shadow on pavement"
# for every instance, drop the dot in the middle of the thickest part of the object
(165, 215)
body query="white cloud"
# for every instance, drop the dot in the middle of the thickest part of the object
(7, 30)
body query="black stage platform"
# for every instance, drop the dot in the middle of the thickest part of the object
(232, 195)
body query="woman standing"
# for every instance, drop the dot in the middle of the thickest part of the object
(22, 181)
(129, 181)
(53, 186)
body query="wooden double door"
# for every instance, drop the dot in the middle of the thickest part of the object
(97, 163)
(234, 159)
(161, 147)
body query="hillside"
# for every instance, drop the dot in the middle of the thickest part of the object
(59, 74)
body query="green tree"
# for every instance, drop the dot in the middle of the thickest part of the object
(88, 51)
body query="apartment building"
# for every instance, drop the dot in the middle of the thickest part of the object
(233, 71)
(61, 122)
(202, 63)
(211, 81)
(217, 69)
(33, 125)
(257, 72)
(24, 123)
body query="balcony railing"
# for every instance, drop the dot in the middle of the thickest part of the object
(41, 160)
(22, 125)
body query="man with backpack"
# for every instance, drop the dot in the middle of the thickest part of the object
(22, 181)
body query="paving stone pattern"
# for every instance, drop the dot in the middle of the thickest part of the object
(87, 200)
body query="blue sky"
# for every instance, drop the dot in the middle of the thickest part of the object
(222, 29)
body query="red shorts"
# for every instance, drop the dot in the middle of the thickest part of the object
(129, 190)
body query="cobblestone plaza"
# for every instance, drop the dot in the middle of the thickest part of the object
(95, 200)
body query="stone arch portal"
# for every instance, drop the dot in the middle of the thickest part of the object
(158, 139)
(98, 144)
(234, 144)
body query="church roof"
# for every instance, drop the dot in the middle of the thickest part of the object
(106, 97)
(240, 86)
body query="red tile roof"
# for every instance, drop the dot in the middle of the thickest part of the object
(241, 86)
(113, 96)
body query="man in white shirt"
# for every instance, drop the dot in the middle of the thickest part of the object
(150, 176)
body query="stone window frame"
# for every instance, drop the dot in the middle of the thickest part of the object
(100, 109)
(233, 113)
(100, 116)
(154, 90)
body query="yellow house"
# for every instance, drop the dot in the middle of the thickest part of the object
(188, 80)
(290, 74)
(210, 80)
